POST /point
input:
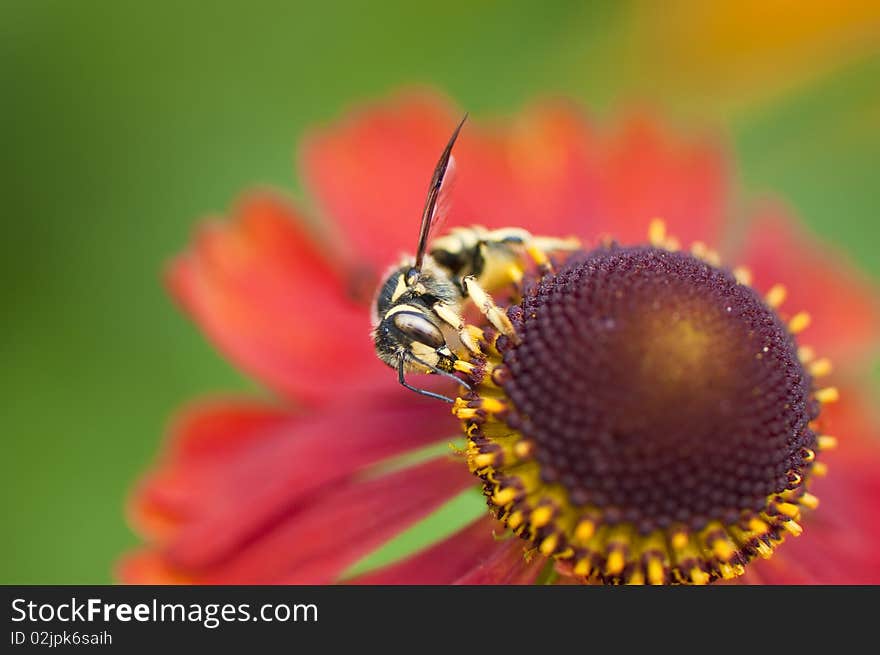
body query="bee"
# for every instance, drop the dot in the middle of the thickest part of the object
(418, 309)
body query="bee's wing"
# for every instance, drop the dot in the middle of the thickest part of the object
(437, 204)
(444, 198)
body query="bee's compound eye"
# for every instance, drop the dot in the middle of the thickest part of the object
(418, 328)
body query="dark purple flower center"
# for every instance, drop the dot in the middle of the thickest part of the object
(657, 388)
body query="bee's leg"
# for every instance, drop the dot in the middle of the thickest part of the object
(401, 377)
(538, 247)
(549, 244)
(449, 315)
(487, 306)
(446, 373)
(468, 336)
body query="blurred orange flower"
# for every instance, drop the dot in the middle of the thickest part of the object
(247, 491)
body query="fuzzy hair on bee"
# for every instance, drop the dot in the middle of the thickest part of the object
(417, 313)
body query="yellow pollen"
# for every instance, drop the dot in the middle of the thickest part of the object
(820, 469)
(826, 442)
(758, 526)
(464, 366)
(730, 571)
(799, 322)
(793, 527)
(515, 520)
(538, 256)
(743, 275)
(493, 405)
(679, 540)
(828, 395)
(524, 449)
(820, 367)
(655, 572)
(722, 549)
(763, 549)
(541, 516)
(484, 459)
(699, 577)
(585, 530)
(657, 232)
(504, 496)
(809, 500)
(806, 354)
(615, 563)
(788, 509)
(582, 567)
(809, 455)
(776, 296)
(549, 545)
(699, 249)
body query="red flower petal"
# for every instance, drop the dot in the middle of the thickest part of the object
(314, 543)
(206, 441)
(537, 171)
(263, 292)
(317, 544)
(843, 304)
(508, 565)
(546, 171)
(840, 543)
(236, 471)
(444, 562)
(371, 173)
(647, 173)
(840, 540)
(550, 173)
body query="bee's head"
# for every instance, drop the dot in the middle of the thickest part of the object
(406, 284)
(404, 320)
(413, 334)
(392, 290)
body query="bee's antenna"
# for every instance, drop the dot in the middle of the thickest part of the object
(433, 194)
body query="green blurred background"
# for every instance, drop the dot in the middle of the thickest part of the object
(124, 122)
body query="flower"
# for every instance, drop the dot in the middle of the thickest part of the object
(297, 489)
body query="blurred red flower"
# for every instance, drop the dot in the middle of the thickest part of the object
(249, 491)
